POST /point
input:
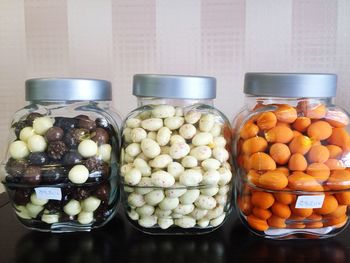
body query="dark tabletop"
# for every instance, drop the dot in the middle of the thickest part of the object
(119, 242)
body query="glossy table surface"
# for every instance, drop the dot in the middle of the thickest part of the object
(119, 242)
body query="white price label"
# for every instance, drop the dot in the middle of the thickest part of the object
(309, 201)
(51, 193)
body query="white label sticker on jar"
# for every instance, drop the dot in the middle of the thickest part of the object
(309, 201)
(50, 193)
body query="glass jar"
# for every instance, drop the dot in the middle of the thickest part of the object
(61, 166)
(291, 152)
(175, 160)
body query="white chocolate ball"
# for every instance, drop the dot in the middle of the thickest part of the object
(36, 201)
(18, 150)
(90, 204)
(133, 177)
(50, 218)
(72, 208)
(104, 152)
(87, 148)
(85, 217)
(42, 124)
(37, 143)
(78, 174)
(34, 210)
(22, 212)
(26, 133)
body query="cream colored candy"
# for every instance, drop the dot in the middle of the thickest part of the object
(198, 213)
(192, 116)
(162, 213)
(161, 161)
(202, 138)
(190, 177)
(133, 149)
(223, 190)
(26, 133)
(143, 157)
(78, 174)
(128, 189)
(87, 148)
(133, 123)
(125, 168)
(162, 179)
(37, 143)
(150, 148)
(210, 191)
(90, 204)
(36, 201)
(163, 136)
(85, 217)
(165, 223)
(169, 203)
(144, 186)
(33, 210)
(145, 210)
(145, 115)
(22, 212)
(175, 191)
(133, 176)
(187, 131)
(225, 176)
(204, 222)
(104, 152)
(211, 177)
(179, 150)
(152, 124)
(211, 164)
(205, 202)
(72, 208)
(179, 112)
(138, 134)
(133, 215)
(189, 197)
(220, 154)
(142, 166)
(189, 162)
(217, 221)
(127, 135)
(42, 125)
(18, 150)
(216, 212)
(154, 197)
(164, 150)
(174, 123)
(147, 221)
(176, 216)
(185, 222)
(201, 153)
(152, 135)
(219, 142)
(175, 169)
(206, 123)
(221, 199)
(163, 111)
(128, 158)
(136, 200)
(216, 130)
(50, 218)
(184, 209)
(176, 139)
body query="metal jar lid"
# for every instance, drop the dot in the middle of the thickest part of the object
(290, 85)
(174, 86)
(67, 89)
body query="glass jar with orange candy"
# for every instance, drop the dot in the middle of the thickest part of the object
(292, 152)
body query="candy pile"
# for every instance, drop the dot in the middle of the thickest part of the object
(176, 168)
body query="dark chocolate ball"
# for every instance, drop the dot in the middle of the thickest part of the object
(81, 193)
(102, 123)
(67, 218)
(54, 206)
(53, 175)
(66, 123)
(22, 196)
(56, 150)
(85, 122)
(102, 192)
(100, 136)
(73, 137)
(16, 168)
(71, 158)
(54, 134)
(102, 212)
(31, 117)
(38, 158)
(32, 175)
(18, 126)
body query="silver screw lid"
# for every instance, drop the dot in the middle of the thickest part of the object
(174, 86)
(290, 85)
(67, 89)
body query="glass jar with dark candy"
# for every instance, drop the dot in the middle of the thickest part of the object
(60, 168)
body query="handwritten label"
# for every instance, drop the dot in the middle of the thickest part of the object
(309, 201)
(50, 193)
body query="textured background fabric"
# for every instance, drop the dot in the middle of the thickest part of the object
(114, 39)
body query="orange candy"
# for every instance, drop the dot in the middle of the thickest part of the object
(280, 134)
(244, 204)
(340, 211)
(261, 213)
(336, 222)
(280, 153)
(343, 198)
(266, 121)
(286, 113)
(249, 130)
(273, 180)
(337, 119)
(300, 144)
(339, 137)
(339, 180)
(319, 171)
(257, 223)
(303, 182)
(319, 130)
(334, 151)
(330, 204)
(335, 164)
(303, 212)
(301, 124)
(253, 145)
(253, 177)
(262, 199)
(312, 110)
(284, 170)
(318, 154)
(281, 210)
(297, 162)
(262, 161)
(284, 198)
(276, 221)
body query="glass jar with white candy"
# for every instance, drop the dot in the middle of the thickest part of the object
(175, 160)
(60, 169)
